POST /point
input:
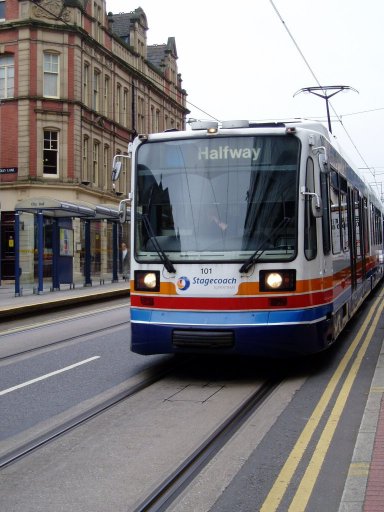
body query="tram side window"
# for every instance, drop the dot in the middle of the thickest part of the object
(373, 226)
(344, 213)
(365, 226)
(376, 223)
(357, 217)
(310, 237)
(325, 217)
(335, 213)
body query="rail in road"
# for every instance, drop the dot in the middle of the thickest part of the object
(156, 441)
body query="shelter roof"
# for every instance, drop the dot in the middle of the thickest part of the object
(56, 208)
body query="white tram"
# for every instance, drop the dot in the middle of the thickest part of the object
(248, 238)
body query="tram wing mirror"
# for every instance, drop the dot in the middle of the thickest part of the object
(321, 153)
(316, 206)
(124, 211)
(316, 202)
(116, 168)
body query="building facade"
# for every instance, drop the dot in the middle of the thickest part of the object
(76, 86)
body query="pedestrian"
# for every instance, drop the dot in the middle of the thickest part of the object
(125, 260)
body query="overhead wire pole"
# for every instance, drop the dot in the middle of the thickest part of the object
(325, 95)
(318, 82)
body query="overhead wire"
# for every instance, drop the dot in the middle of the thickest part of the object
(203, 111)
(321, 87)
(362, 112)
(296, 45)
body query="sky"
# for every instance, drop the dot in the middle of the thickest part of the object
(247, 59)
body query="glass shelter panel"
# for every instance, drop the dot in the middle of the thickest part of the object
(108, 249)
(27, 250)
(96, 249)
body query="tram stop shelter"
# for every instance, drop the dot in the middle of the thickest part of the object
(65, 241)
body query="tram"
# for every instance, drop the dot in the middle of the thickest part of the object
(248, 238)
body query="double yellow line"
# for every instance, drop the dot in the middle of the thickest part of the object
(305, 488)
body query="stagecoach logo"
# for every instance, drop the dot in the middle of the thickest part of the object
(197, 285)
(227, 153)
(183, 283)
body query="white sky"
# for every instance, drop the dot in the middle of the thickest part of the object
(237, 61)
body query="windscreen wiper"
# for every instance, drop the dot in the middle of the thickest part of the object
(260, 250)
(164, 258)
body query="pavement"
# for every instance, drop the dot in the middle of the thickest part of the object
(364, 487)
(12, 306)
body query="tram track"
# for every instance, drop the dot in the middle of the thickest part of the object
(107, 400)
(176, 482)
(68, 317)
(24, 330)
(139, 439)
(59, 342)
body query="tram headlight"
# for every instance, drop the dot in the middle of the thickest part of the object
(147, 281)
(277, 280)
(274, 280)
(150, 280)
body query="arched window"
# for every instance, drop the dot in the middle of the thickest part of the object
(95, 163)
(96, 90)
(86, 83)
(84, 171)
(51, 153)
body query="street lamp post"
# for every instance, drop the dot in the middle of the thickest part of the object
(325, 95)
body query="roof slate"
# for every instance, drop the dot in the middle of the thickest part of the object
(155, 53)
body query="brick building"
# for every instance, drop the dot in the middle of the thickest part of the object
(76, 85)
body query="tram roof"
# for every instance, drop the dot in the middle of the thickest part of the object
(56, 208)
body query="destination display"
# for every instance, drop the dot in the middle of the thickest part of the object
(195, 154)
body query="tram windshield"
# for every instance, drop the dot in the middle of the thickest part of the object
(217, 199)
